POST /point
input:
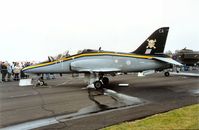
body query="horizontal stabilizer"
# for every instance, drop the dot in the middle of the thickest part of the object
(185, 74)
(167, 60)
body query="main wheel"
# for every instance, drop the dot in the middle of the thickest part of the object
(98, 84)
(41, 83)
(105, 80)
(166, 74)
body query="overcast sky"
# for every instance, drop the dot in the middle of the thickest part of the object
(34, 29)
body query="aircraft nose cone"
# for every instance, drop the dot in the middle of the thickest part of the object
(24, 70)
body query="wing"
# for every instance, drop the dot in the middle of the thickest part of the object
(97, 70)
(94, 65)
(167, 60)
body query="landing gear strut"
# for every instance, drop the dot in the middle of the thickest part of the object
(105, 80)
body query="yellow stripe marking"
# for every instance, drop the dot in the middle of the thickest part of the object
(87, 54)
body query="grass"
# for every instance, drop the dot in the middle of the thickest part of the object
(186, 118)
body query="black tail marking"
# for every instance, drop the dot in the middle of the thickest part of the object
(154, 44)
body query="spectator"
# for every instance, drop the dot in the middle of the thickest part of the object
(9, 69)
(0, 72)
(23, 76)
(14, 69)
(16, 72)
(4, 71)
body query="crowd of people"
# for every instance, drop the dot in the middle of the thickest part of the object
(12, 71)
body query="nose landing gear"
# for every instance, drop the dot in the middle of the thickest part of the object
(40, 82)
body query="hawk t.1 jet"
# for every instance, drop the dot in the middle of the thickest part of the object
(98, 63)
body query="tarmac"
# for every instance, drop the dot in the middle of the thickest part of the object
(65, 103)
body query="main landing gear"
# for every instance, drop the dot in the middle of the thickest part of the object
(103, 81)
(98, 80)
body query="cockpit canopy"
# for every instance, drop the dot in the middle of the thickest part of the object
(87, 51)
(57, 57)
(66, 54)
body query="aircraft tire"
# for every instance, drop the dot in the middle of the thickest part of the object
(105, 80)
(98, 84)
(167, 74)
(41, 83)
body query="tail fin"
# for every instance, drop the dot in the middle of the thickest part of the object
(155, 43)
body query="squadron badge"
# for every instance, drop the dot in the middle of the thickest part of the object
(151, 43)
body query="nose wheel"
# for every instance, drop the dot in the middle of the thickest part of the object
(40, 82)
(167, 74)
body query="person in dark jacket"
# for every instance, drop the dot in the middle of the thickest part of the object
(0, 72)
(4, 71)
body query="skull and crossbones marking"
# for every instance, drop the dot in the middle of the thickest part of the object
(151, 43)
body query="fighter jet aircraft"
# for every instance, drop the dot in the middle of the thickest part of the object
(187, 57)
(98, 63)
